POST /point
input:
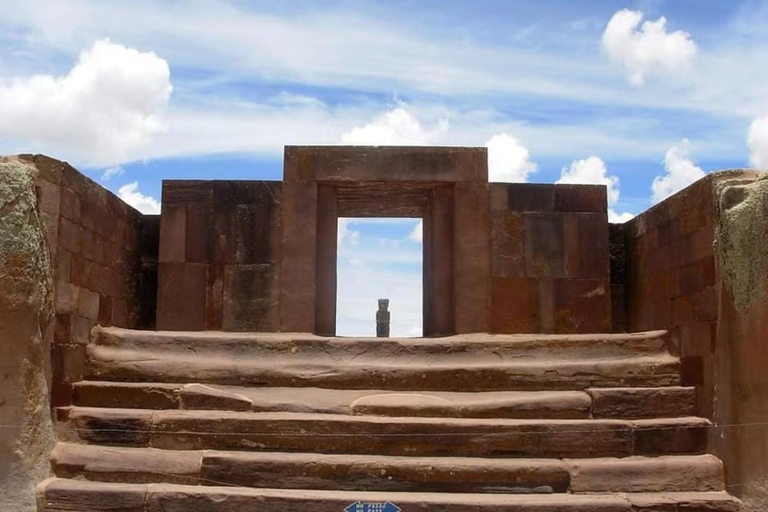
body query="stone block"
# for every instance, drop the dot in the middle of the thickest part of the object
(173, 233)
(472, 261)
(250, 298)
(587, 249)
(198, 232)
(515, 305)
(68, 362)
(72, 179)
(545, 245)
(181, 296)
(632, 403)
(298, 262)
(93, 246)
(66, 297)
(582, 305)
(531, 197)
(48, 168)
(507, 245)
(581, 198)
(214, 296)
(48, 197)
(120, 313)
(345, 163)
(69, 206)
(88, 304)
(670, 436)
(185, 192)
(63, 258)
(70, 236)
(105, 310)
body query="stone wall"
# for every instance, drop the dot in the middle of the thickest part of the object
(741, 352)
(549, 259)
(671, 279)
(94, 243)
(219, 256)
(26, 307)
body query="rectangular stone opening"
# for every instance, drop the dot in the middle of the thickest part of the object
(378, 258)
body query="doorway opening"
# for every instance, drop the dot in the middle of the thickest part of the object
(379, 258)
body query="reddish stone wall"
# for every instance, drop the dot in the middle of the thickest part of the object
(549, 259)
(671, 280)
(219, 256)
(93, 238)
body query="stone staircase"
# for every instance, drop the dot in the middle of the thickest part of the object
(224, 422)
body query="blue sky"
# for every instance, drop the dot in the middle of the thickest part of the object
(642, 96)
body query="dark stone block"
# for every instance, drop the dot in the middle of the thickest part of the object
(198, 233)
(531, 197)
(545, 245)
(587, 249)
(187, 192)
(581, 198)
(181, 296)
(582, 305)
(250, 298)
(515, 305)
(692, 371)
(507, 245)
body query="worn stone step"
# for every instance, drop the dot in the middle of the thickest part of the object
(501, 404)
(388, 473)
(106, 363)
(335, 433)
(466, 363)
(59, 495)
(597, 402)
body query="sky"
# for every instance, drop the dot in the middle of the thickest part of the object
(642, 96)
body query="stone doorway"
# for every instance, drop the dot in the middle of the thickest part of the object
(446, 187)
(379, 258)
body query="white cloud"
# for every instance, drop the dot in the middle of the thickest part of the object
(508, 159)
(131, 195)
(398, 127)
(345, 234)
(649, 49)
(417, 234)
(112, 172)
(104, 111)
(681, 172)
(593, 171)
(758, 143)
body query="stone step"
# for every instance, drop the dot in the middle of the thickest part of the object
(335, 433)
(594, 402)
(387, 473)
(477, 347)
(470, 363)
(59, 495)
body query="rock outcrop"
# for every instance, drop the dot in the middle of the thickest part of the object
(26, 432)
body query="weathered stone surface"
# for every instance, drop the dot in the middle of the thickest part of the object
(127, 395)
(110, 426)
(57, 495)
(26, 302)
(536, 362)
(76, 496)
(643, 402)
(381, 473)
(199, 396)
(181, 296)
(545, 245)
(671, 435)
(188, 430)
(646, 474)
(126, 465)
(684, 502)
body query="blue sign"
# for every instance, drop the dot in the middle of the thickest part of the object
(370, 506)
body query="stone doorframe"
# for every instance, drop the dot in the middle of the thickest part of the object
(446, 187)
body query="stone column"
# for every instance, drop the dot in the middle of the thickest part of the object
(26, 298)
